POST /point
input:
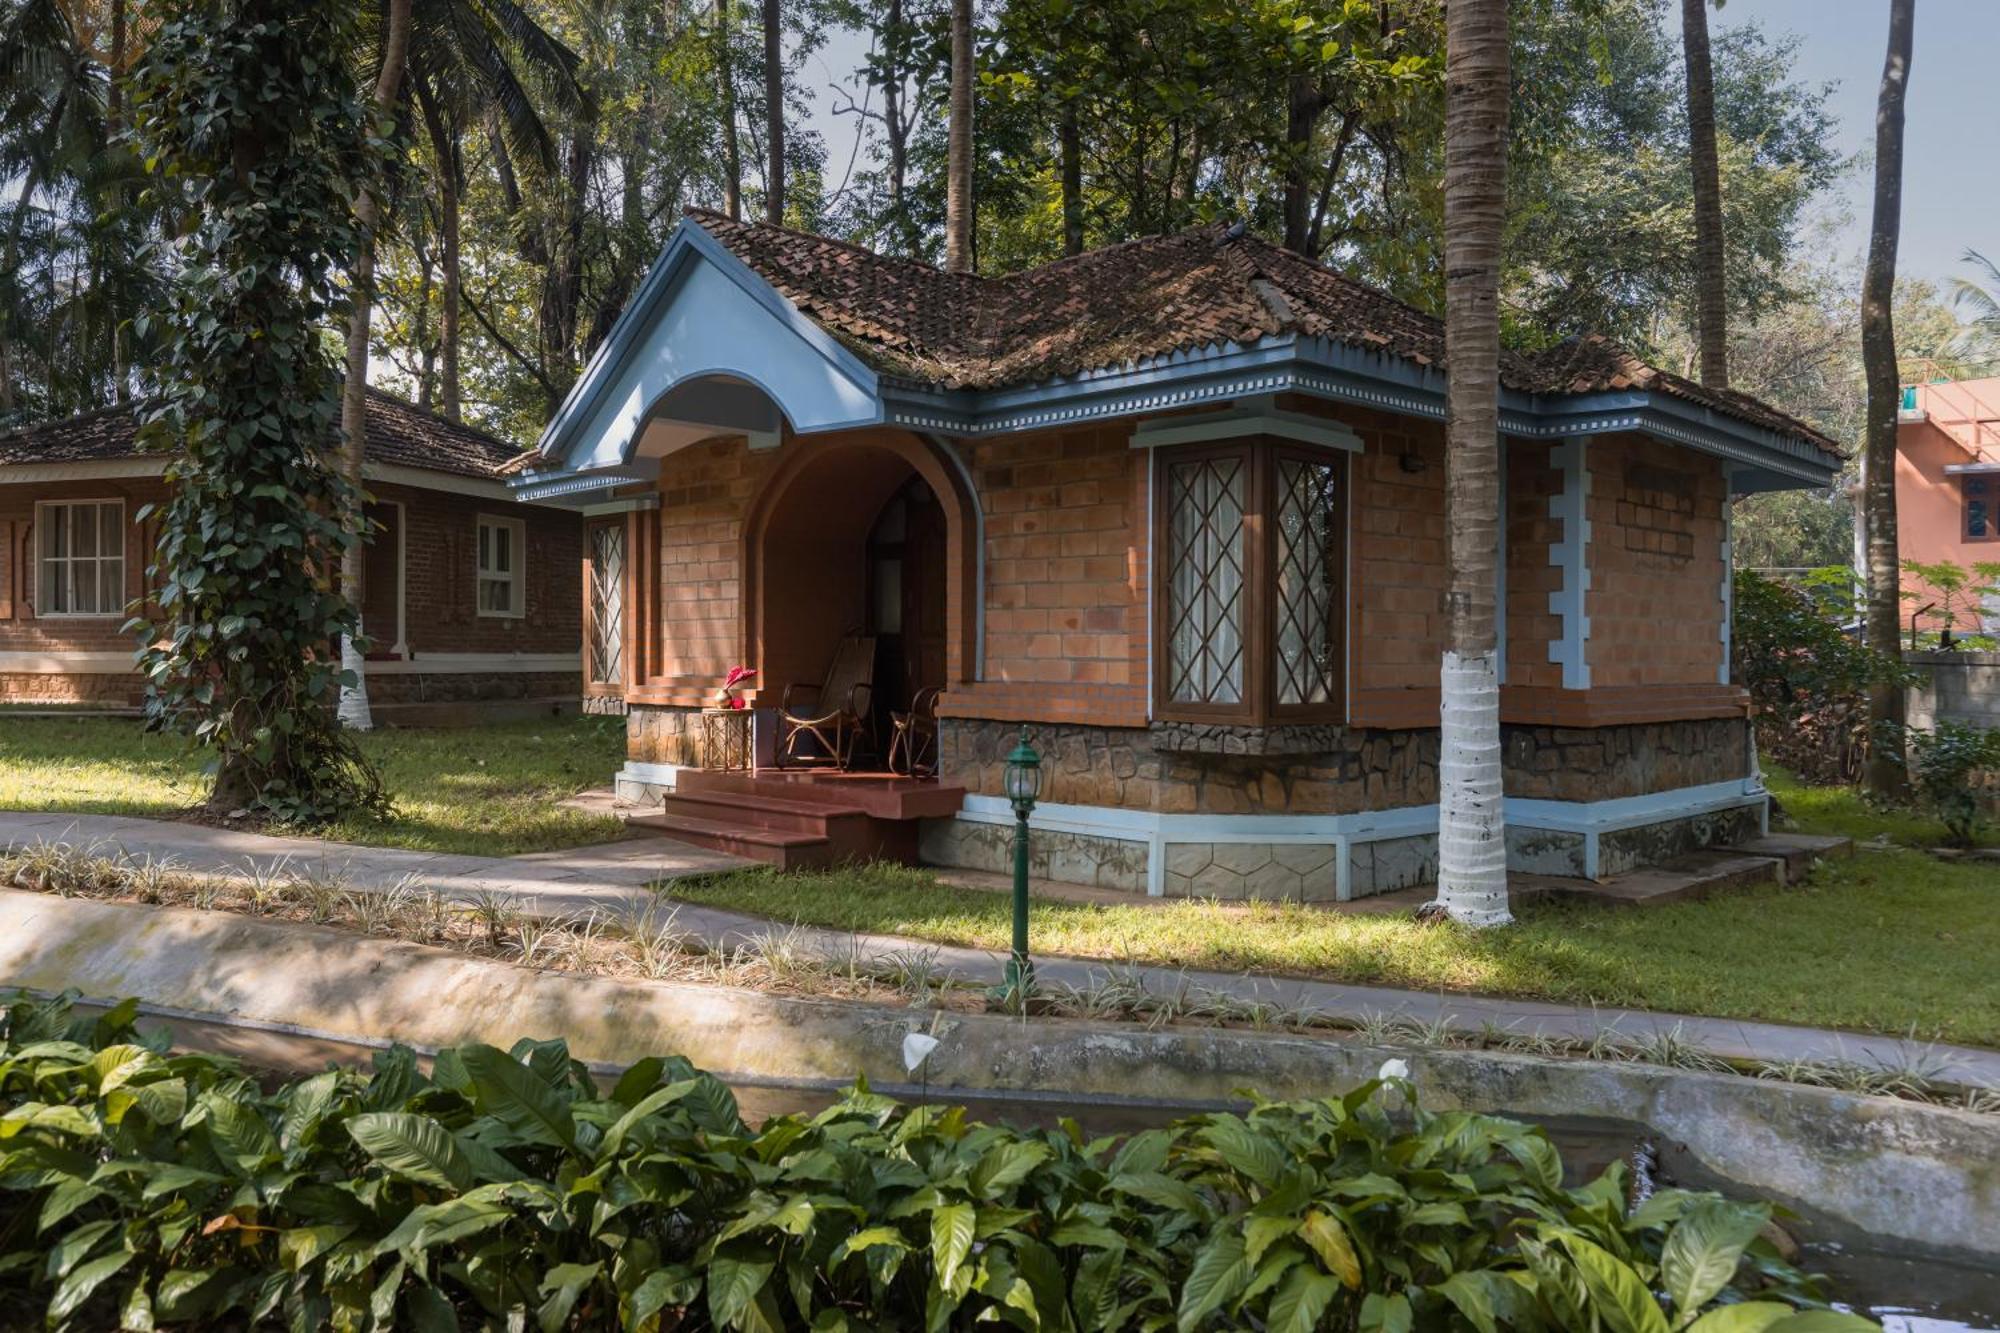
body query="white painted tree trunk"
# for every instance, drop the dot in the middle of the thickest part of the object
(1472, 822)
(354, 713)
(1472, 827)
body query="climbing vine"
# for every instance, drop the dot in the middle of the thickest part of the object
(255, 135)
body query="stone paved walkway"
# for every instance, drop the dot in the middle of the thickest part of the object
(613, 878)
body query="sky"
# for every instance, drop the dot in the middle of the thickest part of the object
(1951, 187)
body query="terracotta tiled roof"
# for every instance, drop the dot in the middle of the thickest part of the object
(399, 433)
(1142, 299)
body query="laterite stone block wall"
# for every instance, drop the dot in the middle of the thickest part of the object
(705, 492)
(1656, 570)
(1065, 550)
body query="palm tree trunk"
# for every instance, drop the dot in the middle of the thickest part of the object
(444, 147)
(1072, 179)
(774, 115)
(1302, 109)
(732, 153)
(10, 264)
(1886, 773)
(1472, 832)
(958, 167)
(121, 355)
(1711, 311)
(354, 390)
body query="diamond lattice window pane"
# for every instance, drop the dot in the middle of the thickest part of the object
(607, 604)
(1205, 580)
(1305, 593)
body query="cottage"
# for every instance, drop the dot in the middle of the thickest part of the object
(472, 601)
(1178, 507)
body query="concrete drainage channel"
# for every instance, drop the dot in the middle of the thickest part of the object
(1920, 1175)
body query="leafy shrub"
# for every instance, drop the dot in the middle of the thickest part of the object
(147, 1189)
(1943, 765)
(1808, 677)
(1951, 595)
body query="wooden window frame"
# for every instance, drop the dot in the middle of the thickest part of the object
(42, 561)
(1965, 500)
(1259, 706)
(517, 577)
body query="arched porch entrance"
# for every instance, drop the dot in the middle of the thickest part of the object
(871, 534)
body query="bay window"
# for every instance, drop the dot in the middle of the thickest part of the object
(1250, 609)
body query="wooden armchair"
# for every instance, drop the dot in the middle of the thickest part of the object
(833, 714)
(913, 736)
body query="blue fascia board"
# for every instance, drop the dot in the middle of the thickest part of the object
(1347, 374)
(689, 243)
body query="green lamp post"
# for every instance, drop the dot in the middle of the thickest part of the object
(1023, 783)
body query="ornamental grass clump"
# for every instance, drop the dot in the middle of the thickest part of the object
(141, 1188)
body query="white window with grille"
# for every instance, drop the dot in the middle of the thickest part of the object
(80, 552)
(502, 557)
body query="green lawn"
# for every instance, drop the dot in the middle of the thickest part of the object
(491, 790)
(1887, 941)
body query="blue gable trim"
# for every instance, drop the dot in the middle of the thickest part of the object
(642, 358)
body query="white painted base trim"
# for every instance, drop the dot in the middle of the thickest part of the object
(1589, 819)
(637, 774)
(66, 664)
(466, 664)
(424, 664)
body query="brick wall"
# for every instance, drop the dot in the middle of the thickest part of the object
(704, 493)
(1531, 483)
(21, 629)
(440, 613)
(1399, 552)
(1656, 522)
(1066, 577)
(442, 608)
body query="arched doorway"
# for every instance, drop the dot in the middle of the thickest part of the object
(861, 535)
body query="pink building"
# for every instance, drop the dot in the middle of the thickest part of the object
(1948, 476)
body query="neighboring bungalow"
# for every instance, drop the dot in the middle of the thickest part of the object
(471, 600)
(1948, 482)
(1178, 506)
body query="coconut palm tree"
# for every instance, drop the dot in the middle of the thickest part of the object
(468, 58)
(1472, 834)
(1711, 314)
(354, 390)
(59, 103)
(774, 114)
(1980, 300)
(958, 165)
(458, 55)
(1886, 773)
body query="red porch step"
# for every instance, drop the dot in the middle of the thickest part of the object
(801, 820)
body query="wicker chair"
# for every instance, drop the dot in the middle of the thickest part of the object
(833, 715)
(913, 736)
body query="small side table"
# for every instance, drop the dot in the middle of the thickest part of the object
(726, 738)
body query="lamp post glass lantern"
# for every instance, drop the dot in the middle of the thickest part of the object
(1022, 781)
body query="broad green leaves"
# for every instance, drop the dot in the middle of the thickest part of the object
(414, 1146)
(507, 1190)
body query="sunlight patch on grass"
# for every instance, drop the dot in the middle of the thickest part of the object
(1886, 941)
(492, 790)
